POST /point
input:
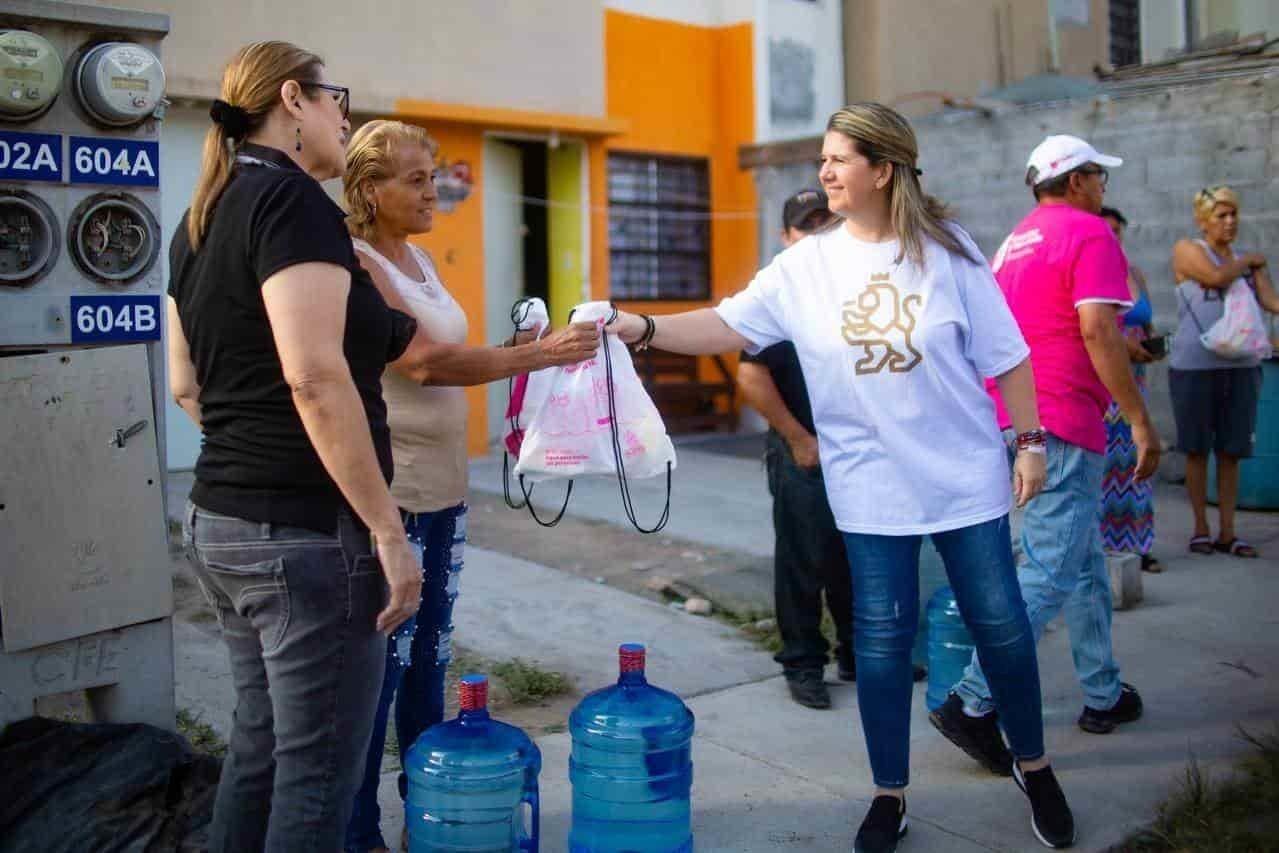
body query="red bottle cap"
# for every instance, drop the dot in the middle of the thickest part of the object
(473, 692)
(630, 657)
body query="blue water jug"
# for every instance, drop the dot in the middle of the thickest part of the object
(469, 781)
(950, 647)
(631, 766)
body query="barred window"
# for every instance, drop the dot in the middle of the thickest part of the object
(1125, 33)
(659, 230)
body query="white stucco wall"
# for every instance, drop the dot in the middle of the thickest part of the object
(799, 67)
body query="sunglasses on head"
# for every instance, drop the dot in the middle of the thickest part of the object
(341, 94)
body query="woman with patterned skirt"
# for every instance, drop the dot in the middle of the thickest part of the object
(1127, 511)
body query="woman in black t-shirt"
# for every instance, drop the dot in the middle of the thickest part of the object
(277, 341)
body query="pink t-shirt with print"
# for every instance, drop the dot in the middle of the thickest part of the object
(1056, 259)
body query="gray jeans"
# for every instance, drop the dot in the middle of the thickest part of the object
(297, 610)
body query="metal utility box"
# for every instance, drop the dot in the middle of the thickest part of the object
(85, 583)
(82, 529)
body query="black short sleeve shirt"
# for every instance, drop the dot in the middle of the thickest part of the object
(783, 365)
(256, 461)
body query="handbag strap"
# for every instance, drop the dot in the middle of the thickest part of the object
(1190, 310)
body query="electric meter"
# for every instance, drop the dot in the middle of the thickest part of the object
(30, 75)
(113, 237)
(119, 83)
(28, 238)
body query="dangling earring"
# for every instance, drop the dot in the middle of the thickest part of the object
(298, 146)
(373, 210)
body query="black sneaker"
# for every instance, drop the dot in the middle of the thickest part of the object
(1127, 709)
(1050, 815)
(884, 826)
(978, 736)
(847, 669)
(808, 689)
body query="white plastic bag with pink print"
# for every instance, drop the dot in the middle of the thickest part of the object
(1241, 331)
(571, 431)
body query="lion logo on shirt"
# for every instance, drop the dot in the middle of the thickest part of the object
(881, 322)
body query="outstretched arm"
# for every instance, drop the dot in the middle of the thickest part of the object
(700, 332)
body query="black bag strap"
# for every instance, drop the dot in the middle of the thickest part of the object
(1190, 310)
(619, 458)
(519, 313)
(619, 462)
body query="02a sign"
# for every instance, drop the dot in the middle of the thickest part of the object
(127, 162)
(115, 318)
(30, 156)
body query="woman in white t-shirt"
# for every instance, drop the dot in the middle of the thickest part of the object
(390, 192)
(896, 319)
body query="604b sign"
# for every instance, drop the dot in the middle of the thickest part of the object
(115, 318)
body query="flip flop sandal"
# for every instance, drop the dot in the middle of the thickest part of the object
(1150, 564)
(1236, 548)
(1201, 545)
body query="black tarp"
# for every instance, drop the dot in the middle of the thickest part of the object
(96, 788)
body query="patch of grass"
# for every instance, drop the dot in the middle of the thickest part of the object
(200, 734)
(1239, 814)
(526, 683)
(768, 637)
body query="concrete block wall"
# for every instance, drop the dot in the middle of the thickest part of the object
(1174, 142)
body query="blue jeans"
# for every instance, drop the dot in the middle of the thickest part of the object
(1063, 567)
(979, 565)
(417, 657)
(298, 613)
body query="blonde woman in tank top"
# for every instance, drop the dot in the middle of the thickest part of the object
(1214, 399)
(389, 187)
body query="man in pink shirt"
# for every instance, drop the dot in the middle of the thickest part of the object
(1066, 280)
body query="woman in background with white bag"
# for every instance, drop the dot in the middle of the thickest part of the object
(896, 318)
(1214, 396)
(389, 186)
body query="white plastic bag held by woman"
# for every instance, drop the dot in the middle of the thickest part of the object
(571, 433)
(1241, 331)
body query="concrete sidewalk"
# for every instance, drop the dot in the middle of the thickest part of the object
(770, 775)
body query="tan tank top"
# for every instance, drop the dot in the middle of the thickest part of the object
(428, 422)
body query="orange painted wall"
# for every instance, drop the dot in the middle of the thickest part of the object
(456, 242)
(677, 89)
(684, 90)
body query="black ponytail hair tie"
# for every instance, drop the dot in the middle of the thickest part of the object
(919, 172)
(234, 121)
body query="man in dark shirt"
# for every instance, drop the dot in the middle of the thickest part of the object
(808, 556)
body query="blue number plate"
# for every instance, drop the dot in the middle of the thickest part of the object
(128, 162)
(30, 156)
(115, 318)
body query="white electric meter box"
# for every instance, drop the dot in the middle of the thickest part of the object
(86, 587)
(81, 104)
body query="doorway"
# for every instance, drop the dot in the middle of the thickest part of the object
(534, 237)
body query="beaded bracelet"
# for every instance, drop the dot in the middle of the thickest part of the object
(650, 329)
(1034, 436)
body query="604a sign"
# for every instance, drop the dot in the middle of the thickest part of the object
(127, 162)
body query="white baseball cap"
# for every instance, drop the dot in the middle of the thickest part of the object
(1057, 155)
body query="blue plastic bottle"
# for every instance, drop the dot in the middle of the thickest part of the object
(950, 647)
(631, 767)
(468, 781)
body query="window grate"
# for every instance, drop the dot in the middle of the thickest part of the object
(658, 227)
